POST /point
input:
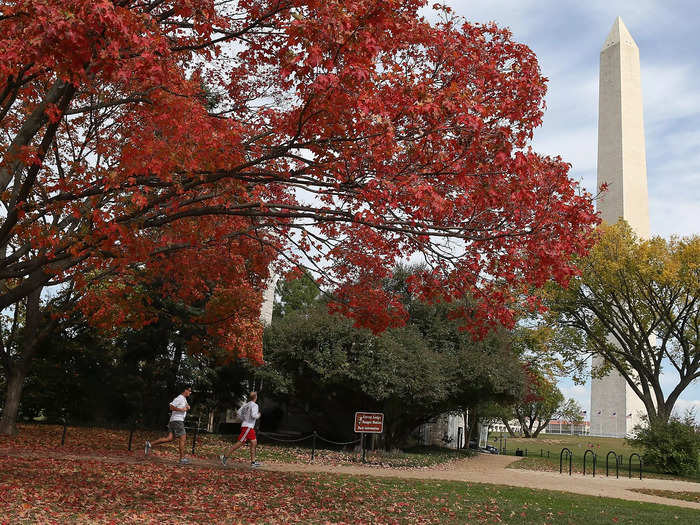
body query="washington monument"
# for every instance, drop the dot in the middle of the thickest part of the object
(615, 408)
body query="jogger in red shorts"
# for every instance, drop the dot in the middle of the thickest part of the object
(249, 413)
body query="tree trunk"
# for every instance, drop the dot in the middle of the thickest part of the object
(18, 369)
(508, 427)
(540, 428)
(465, 437)
(15, 383)
(473, 425)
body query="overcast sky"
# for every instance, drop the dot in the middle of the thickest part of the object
(567, 37)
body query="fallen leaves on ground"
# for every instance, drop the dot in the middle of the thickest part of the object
(94, 440)
(59, 490)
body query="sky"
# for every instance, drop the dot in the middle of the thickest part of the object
(567, 37)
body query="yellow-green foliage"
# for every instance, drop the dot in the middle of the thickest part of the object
(637, 304)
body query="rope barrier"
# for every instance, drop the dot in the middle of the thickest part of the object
(265, 434)
(337, 442)
(198, 429)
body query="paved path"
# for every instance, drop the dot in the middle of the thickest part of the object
(484, 468)
(487, 468)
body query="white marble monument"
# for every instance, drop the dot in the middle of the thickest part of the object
(615, 408)
(268, 299)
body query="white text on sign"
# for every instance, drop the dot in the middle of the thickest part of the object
(369, 422)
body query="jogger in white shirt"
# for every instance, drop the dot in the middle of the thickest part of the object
(176, 427)
(249, 413)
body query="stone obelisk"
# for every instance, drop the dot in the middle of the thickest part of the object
(615, 408)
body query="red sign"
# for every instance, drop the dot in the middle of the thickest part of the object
(369, 422)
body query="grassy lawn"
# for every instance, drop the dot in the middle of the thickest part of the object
(60, 490)
(538, 448)
(686, 496)
(84, 440)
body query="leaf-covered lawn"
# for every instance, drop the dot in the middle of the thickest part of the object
(51, 490)
(93, 440)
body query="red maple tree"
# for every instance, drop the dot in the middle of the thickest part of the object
(204, 139)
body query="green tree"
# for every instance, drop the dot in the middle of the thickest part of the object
(295, 294)
(672, 446)
(326, 369)
(636, 304)
(541, 401)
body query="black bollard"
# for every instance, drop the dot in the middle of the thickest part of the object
(194, 439)
(313, 446)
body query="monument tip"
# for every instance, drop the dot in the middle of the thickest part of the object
(618, 34)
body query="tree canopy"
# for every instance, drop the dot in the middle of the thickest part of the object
(637, 305)
(198, 143)
(201, 140)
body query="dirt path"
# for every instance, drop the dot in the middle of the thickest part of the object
(485, 468)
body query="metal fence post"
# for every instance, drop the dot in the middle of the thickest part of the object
(617, 464)
(194, 440)
(561, 457)
(362, 440)
(640, 465)
(63, 437)
(131, 436)
(585, 455)
(313, 446)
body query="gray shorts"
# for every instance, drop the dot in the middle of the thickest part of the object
(177, 428)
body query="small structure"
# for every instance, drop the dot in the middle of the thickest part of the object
(499, 426)
(446, 430)
(562, 426)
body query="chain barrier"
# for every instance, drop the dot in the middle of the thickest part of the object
(296, 440)
(196, 430)
(338, 442)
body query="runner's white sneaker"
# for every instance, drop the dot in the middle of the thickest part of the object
(223, 459)
(184, 461)
(255, 464)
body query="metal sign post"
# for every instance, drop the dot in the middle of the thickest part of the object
(368, 423)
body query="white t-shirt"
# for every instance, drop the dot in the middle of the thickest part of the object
(249, 413)
(179, 402)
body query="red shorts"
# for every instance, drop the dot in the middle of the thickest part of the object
(247, 434)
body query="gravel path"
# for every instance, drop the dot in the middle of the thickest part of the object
(484, 468)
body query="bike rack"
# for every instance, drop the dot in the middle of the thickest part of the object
(561, 457)
(617, 464)
(640, 465)
(584, 461)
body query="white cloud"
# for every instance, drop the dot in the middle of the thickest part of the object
(682, 405)
(580, 393)
(567, 37)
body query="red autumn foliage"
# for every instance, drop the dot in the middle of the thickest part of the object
(198, 141)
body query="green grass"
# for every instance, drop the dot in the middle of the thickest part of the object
(553, 443)
(52, 490)
(685, 496)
